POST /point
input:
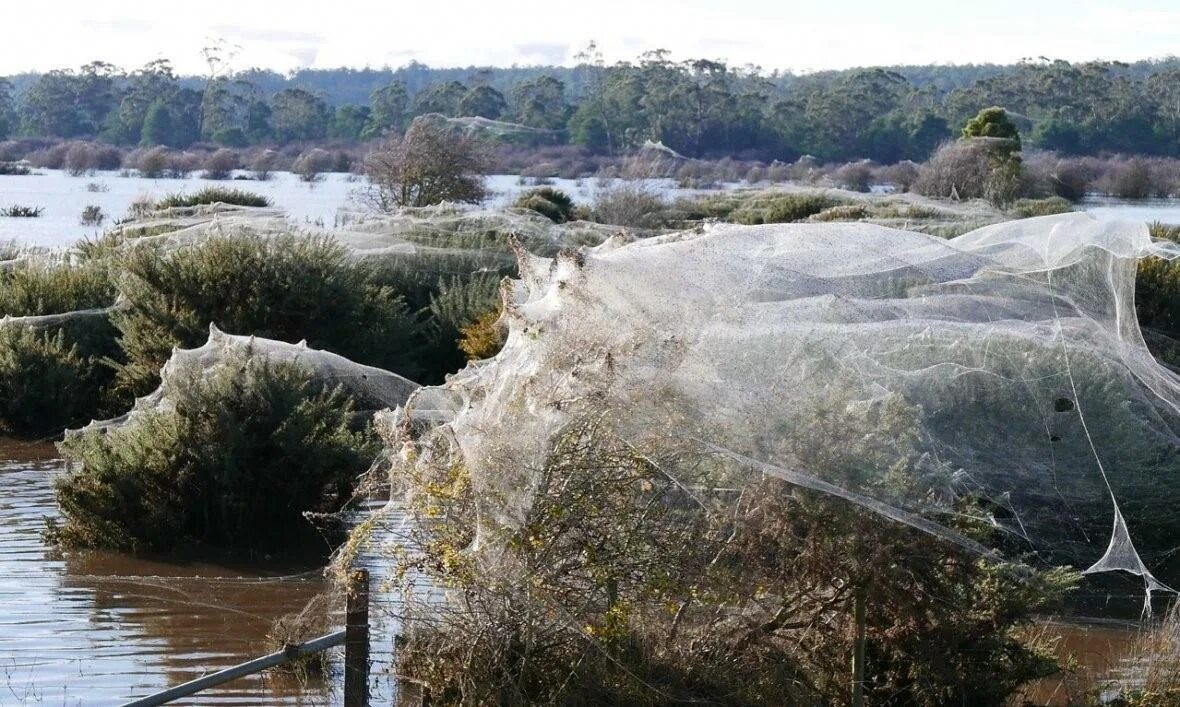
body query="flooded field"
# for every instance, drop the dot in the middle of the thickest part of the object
(63, 197)
(99, 628)
(95, 628)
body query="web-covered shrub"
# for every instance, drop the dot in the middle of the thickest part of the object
(43, 381)
(243, 451)
(735, 435)
(284, 287)
(58, 347)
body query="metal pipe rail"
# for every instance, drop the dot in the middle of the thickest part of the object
(286, 655)
(354, 637)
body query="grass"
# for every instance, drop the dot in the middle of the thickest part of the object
(18, 211)
(213, 195)
(1028, 208)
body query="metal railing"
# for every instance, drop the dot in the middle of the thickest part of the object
(354, 637)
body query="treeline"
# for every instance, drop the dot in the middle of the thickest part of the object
(699, 108)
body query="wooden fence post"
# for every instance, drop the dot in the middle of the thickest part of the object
(356, 641)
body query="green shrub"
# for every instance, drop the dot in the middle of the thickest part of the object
(787, 208)
(214, 195)
(247, 448)
(42, 381)
(283, 287)
(81, 290)
(551, 203)
(844, 212)
(1028, 208)
(32, 288)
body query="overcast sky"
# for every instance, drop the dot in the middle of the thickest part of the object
(774, 34)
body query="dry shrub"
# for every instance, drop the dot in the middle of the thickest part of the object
(313, 621)
(975, 168)
(428, 165)
(221, 164)
(631, 205)
(641, 575)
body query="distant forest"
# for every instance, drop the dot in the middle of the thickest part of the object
(699, 108)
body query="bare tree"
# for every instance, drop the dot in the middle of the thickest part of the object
(428, 165)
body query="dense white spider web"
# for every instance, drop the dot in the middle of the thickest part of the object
(999, 376)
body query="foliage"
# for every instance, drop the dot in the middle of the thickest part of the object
(639, 576)
(1027, 208)
(387, 109)
(42, 381)
(296, 114)
(19, 211)
(482, 338)
(551, 203)
(630, 205)
(972, 168)
(428, 165)
(213, 195)
(283, 287)
(993, 122)
(245, 450)
(699, 108)
(782, 208)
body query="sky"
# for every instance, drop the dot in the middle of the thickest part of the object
(771, 34)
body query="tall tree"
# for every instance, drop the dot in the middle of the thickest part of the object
(7, 109)
(297, 114)
(483, 102)
(441, 98)
(387, 109)
(540, 103)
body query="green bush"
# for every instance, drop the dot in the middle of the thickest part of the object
(32, 288)
(43, 381)
(246, 449)
(283, 287)
(551, 203)
(787, 208)
(1028, 208)
(214, 195)
(35, 288)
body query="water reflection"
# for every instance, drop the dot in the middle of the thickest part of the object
(99, 628)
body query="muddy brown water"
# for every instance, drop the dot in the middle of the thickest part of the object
(100, 628)
(94, 628)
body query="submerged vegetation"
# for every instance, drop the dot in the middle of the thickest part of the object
(18, 211)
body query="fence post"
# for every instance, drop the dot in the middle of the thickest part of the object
(858, 648)
(356, 641)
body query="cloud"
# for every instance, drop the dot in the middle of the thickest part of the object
(273, 36)
(542, 52)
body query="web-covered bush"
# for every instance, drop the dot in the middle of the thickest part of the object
(285, 287)
(240, 453)
(696, 450)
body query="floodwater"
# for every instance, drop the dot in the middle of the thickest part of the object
(63, 198)
(95, 628)
(99, 628)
